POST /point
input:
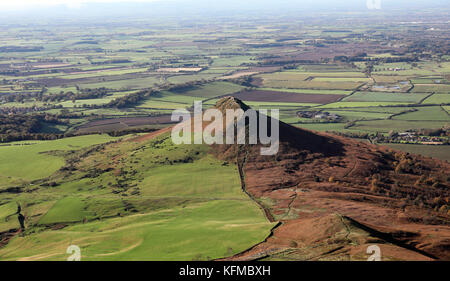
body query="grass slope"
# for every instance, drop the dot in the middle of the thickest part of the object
(148, 200)
(27, 160)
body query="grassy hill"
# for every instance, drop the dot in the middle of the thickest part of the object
(136, 200)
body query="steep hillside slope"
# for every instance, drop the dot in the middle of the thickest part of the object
(336, 196)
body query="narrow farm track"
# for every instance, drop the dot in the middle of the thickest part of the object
(294, 196)
(38, 257)
(123, 250)
(353, 168)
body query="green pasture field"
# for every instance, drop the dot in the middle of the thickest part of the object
(129, 84)
(111, 111)
(166, 105)
(344, 104)
(422, 69)
(99, 101)
(57, 90)
(106, 72)
(438, 99)
(327, 68)
(335, 34)
(381, 109)
(318, 85)
(179, 213)
(390, 78)
(337, 74)
(201, 231)
(28, 103)
(183, 50)
(323, 127)
(393, 65)
(308, 91)
(429, 113)
(358, 115)
(179, 79)
(213, 90)
(397, 88)
(67, 209)
(384, 126)
(231, 61)
(443, 67)
(441, 88)
(319, 76)
(342, 79)
(169, 98)
(429, 80)
(435, 151)
(385, 97)
(283, 76)
(289, 119)
(28, 160)
(6, 210)
(407, 72)
(189, 181)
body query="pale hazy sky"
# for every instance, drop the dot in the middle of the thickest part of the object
(25, 4)
(74, 5)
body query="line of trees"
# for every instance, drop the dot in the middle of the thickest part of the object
(130, 100)
(82, 94)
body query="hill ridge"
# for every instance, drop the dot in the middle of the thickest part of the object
(318, 174)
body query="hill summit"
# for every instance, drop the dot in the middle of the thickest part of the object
(335, 196)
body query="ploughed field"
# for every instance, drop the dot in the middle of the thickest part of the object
(115, 124)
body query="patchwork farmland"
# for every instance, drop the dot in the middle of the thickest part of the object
(86, 156)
